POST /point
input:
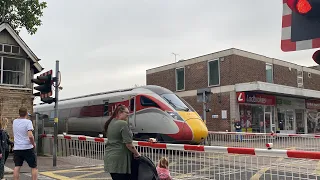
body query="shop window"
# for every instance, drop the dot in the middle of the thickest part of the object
(269, 73)
(213, 73)
(180, 79)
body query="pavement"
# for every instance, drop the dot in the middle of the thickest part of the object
(186, 166)
(48, 172)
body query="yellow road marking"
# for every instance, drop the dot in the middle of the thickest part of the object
(183, 175)
(75, 169)
(108, 178)
(317, 170)
(265, 169)
(89, 174)
(56, 176)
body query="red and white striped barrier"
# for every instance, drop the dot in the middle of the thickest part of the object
(200, 148)
(267, 134)
(305, 142)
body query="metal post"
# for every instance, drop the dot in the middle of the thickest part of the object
(56, 80)
(204, 110)
(37, 133)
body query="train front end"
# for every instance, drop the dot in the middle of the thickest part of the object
(192, 129)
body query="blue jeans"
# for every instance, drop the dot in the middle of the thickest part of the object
(239, 130)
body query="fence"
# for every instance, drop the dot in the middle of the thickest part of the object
(202, 162)
(306, 142)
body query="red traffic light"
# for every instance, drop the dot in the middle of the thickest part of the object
(316, 57)
(300, 6)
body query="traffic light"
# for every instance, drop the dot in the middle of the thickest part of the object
(45, 87)
(308, 8)
(316, 57)
(301, 26)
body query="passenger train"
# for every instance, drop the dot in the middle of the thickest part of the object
(155, 112)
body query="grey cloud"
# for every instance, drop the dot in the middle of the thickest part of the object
(104, 45)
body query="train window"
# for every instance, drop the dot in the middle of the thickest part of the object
(132, 104)
(106, 109)
(147, 102)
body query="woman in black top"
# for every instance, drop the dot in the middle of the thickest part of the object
(7, 143)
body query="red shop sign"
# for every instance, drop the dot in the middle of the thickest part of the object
(254, 98)
(313, 104)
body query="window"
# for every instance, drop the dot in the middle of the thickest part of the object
(300, 78)
(180, 79)
(147, 102)
(177, 103)
(132, 104)
(213, 73)
(106, 109)
(9, 49)
(12, 71)
(269, 73)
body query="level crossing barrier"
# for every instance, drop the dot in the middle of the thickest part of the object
(202, 162)
(305, 142)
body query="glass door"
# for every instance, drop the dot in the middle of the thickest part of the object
(289, 122)
(268, 122)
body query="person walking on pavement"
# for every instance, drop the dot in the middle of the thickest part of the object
(119, 148)
(3, 142)
(237, 126)
(8, 143)
(24, 144)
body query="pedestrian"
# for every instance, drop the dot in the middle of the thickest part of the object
(119, 147)
(24, 144)
(8, 143)
(3, 141)
(237, 126)
(163, 169)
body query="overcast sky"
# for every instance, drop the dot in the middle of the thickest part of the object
(109, 44)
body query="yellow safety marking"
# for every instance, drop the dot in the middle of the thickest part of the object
(183, 175)
(317, 170)
(264, 170)
(56, 176)
(89, 174)
(105, 178)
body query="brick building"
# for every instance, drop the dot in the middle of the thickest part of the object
(264, 93)
(18, 64)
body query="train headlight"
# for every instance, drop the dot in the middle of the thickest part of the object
(175, 115)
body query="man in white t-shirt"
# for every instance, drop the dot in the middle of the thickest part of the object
(24, 144)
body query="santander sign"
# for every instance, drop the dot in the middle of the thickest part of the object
(254, 98)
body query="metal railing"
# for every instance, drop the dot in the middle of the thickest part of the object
(305, 142)
(202, 162)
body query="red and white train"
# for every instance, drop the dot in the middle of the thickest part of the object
(155, 112)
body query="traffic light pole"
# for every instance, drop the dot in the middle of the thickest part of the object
(204, 104)
(55, 146)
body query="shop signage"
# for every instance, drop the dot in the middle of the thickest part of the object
(290, 103)
(313, 104)
(254, 98)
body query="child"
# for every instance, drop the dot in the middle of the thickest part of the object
(162, 169)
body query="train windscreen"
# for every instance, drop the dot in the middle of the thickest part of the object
(177, 103)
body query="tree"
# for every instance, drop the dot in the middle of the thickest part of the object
(22, 13)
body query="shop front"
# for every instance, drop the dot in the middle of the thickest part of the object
(313, 116)
(290, 115)
(256, 112)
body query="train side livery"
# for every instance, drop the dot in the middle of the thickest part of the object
(155, 112)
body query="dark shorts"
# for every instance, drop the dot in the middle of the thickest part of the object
(27, 155)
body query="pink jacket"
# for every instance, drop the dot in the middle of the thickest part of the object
(164, 174)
